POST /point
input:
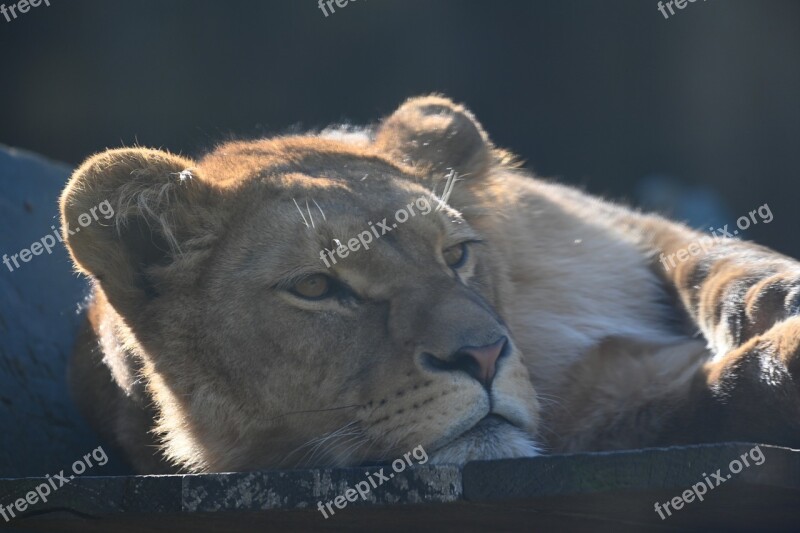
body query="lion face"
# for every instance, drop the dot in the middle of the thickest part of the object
(391, 347)
(307, 301)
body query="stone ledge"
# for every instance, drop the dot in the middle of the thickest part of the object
(567, 491)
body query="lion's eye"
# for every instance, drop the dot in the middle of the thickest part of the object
(455, 256)
(314, 286)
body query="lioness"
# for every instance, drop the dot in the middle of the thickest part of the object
(241, 319)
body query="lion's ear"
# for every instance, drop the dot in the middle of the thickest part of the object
(437, 134)
(131, 217)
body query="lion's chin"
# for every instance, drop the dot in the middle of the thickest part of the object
(491, 438)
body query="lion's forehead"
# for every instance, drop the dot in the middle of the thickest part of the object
(297, 160)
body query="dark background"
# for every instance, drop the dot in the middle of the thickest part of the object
(698, 113)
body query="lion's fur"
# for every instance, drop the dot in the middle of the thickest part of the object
(215, 367)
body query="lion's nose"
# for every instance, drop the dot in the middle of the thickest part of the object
(480, 362)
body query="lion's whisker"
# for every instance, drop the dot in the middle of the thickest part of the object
(309, 215)
(316, 442)
(301, 212)
(320, 210)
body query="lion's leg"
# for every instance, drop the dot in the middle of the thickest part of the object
(731, 290)
(621, 394)
(745, 300)
(628, 394)
(750, 394)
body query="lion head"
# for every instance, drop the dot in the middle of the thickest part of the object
(328, 299)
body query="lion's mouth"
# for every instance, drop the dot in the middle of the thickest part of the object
(492, 420)
(488, 419)
(480, 429)
(492, 437)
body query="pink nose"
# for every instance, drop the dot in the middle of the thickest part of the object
(480, 362)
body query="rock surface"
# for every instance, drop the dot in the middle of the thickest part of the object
(39, 317)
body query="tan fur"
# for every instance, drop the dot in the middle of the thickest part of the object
(197, 356)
